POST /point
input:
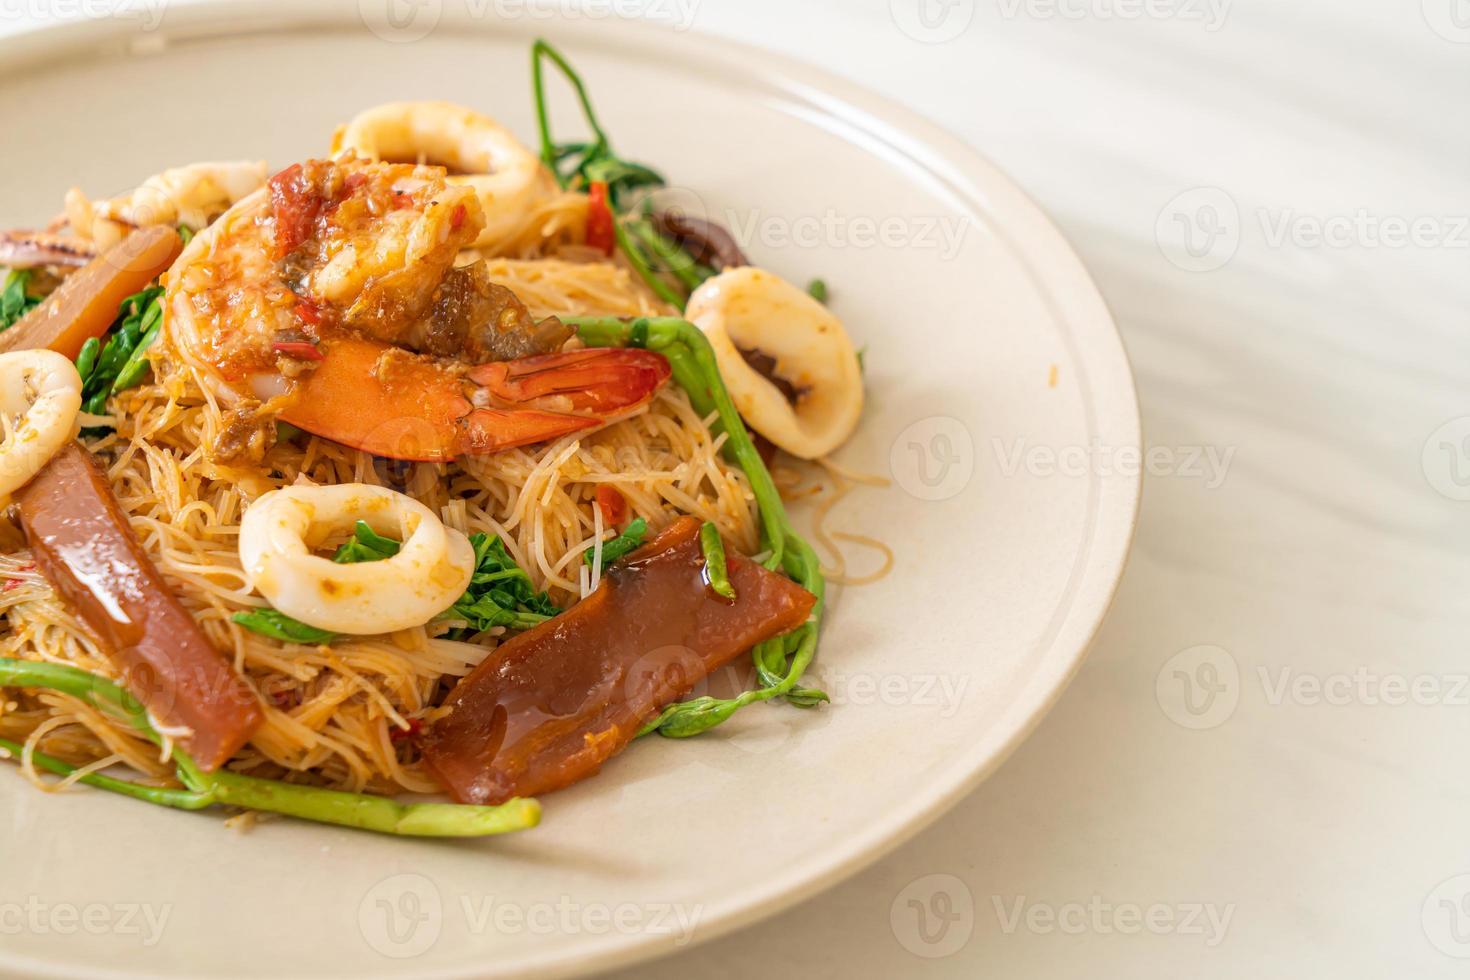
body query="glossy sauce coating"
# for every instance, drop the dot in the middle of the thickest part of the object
(83, 544)
(548, 707)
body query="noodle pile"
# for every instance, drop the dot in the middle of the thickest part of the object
(332, 711)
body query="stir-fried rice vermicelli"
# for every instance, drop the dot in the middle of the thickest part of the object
(437, 286)
(331, 712)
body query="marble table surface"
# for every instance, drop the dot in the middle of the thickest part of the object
(1261, 767)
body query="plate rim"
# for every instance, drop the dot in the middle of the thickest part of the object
(962, 168)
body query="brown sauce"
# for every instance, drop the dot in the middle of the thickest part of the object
(548, 707)
(83, 544)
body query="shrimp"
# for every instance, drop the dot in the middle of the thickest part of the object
(330, 300)
(508, 178)
(192, 196)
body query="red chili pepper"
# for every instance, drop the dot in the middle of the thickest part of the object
(308, 312)
(295, 203)
(415, 726)
(457, 218)
(600, 233)
(300, 349)
(613, 505)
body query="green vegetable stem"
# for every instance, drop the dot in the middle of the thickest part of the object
(201, 789)
(715, 571)
(618, 548)
(668, 269)
(780, 662)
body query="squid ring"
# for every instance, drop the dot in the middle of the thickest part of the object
(40, 396)
(431, 570)
(748, 312)
(477, 151)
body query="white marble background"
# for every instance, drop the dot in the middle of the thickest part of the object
(1261, 770)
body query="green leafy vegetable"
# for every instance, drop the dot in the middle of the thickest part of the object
(15, 302)
(779, 662)
(619, 547)
(715, 571)
(121, 363)
(365, 545)
(817, 288)
(202, 789)
(653, 255)
(500, 592)
(87, 358)
(278, 626)
(186, 233)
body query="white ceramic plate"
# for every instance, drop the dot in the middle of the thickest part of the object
(1001, 406)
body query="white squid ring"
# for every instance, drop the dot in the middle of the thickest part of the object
(750, 309)
(508, 178)
(426, 577)
(40, 396)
